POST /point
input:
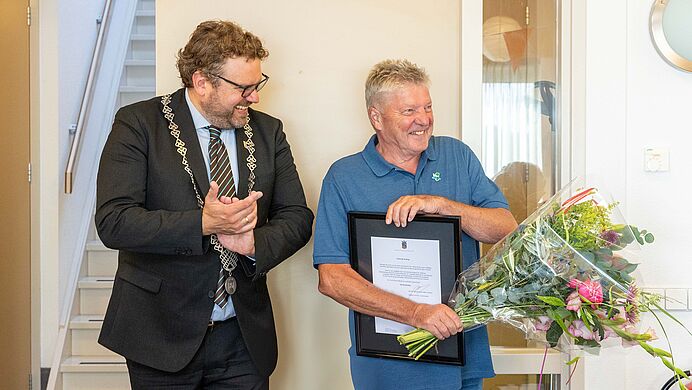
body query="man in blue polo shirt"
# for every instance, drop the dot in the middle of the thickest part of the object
(404, 170)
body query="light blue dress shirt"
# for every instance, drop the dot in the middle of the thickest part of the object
(228, 138)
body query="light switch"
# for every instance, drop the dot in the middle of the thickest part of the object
(656, 160)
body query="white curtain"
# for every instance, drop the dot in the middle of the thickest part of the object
(511, 117)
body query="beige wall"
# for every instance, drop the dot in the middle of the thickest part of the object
(320, 53)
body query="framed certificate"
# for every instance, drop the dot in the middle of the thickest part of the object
(420, 262)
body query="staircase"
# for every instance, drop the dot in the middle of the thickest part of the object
(90, 365)
(87, 364)
(139, 75)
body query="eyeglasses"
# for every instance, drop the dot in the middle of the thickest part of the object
(247, 90)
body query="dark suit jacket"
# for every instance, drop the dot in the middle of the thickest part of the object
(146, 208)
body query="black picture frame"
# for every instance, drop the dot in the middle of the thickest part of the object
(362, 226)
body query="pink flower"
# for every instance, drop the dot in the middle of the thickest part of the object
(611, 237)
(630, 328)
(543, 323)
(578, 329)
(589, 290)
(627, 343)
(573, 301)
(632, 308)
(651, 333)
(607, 332)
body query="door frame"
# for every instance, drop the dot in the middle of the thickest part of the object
(571, 117)
(35, 157)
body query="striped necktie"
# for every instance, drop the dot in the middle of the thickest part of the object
(222, 174)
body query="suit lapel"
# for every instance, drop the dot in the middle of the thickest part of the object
(243, 171)
(188, 134)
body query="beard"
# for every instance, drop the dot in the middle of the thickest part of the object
(221, 117)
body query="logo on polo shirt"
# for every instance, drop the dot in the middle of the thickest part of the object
(436, 176)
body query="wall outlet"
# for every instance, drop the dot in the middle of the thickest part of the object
(673, 298)
(658, 291)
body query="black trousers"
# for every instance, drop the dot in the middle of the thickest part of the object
(222, 362)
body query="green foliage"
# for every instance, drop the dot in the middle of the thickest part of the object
(630, 233)
(553, 334)
(586, 343)
(599, 327)
(553, 301)
(582, 224)
(527, 276)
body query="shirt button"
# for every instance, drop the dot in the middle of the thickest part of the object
(210, 294)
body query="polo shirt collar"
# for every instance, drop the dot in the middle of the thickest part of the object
(381, 167)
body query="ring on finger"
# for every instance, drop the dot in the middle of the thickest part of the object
(247, 220)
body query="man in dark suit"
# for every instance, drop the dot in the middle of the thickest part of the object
(200, 195)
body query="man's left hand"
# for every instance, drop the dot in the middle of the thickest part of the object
(243, 243)
(404, 209)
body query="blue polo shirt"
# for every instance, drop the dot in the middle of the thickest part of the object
(366, 182)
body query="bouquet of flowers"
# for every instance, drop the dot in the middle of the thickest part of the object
(564, 277)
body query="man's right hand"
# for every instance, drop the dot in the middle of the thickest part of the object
(440, 320)
(228, 218)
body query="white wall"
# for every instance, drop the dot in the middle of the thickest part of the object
(45, 159)
(658, 115)
(635, 100)
(320, 53)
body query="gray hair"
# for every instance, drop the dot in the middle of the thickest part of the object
(388, 75)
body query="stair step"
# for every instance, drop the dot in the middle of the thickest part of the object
(142, 50)
(85, 343)
(140, 62)
(94, 364)
(129, 98)
(85, 331)
(141, 76)
(98, 282)
(95, 372)
(97, 245)
(145, 12)
(137, 89)
(95, 381)
(94, 293)
(146, 4)
(85, 321)
(101, 261)
(144, 23)
(143, 37)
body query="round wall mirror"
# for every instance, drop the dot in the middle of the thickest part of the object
(671, 31)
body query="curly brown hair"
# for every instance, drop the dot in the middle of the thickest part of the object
(211, 44)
